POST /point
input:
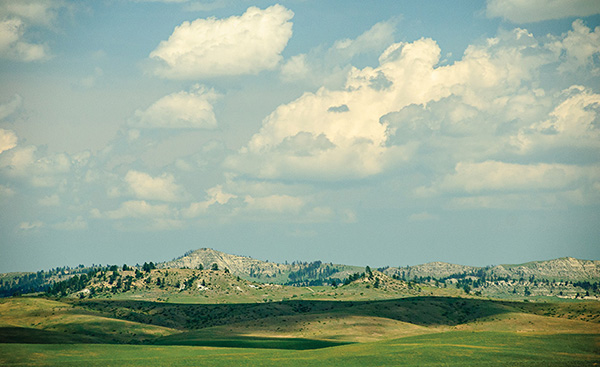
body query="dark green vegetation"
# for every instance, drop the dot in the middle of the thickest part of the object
(23, 283)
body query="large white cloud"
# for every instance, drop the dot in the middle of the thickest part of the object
(340, 134)
(191, 110)
(236, 45)
(528, 11)
(480, 120)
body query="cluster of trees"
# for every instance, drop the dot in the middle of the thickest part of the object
(65, 279)
(353, 277)
(71, 285)
(594, 287)
(313, 273)
(147, 267)
(28, 283)
(40, 281)
(109, 273)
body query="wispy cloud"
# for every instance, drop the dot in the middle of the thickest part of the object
(529, 11)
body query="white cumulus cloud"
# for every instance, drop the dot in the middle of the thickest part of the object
(182, 110)
(573, 123)
(340, 134)
(236, 45)
(215, 195)
(485, 127)
(26, 163)
(580, 46)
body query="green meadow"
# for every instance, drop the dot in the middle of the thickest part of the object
(411, 331)
(460, 348)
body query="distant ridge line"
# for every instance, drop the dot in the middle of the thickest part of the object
(564, 268)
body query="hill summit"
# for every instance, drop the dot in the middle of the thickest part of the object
(239, 265)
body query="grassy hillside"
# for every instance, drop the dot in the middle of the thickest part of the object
(38, 320)
(350, 321)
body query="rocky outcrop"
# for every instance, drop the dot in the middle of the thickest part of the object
(239, 265)
(564, 268)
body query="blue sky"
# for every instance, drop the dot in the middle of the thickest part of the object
(387, 133)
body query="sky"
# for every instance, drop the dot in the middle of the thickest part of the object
(384, 133)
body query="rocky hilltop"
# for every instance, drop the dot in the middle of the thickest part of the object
(238, 265)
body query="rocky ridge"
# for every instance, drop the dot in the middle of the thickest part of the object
(564, 268)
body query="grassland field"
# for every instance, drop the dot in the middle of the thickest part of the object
(410, 331)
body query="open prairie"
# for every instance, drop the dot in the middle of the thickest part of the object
(411, 331)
